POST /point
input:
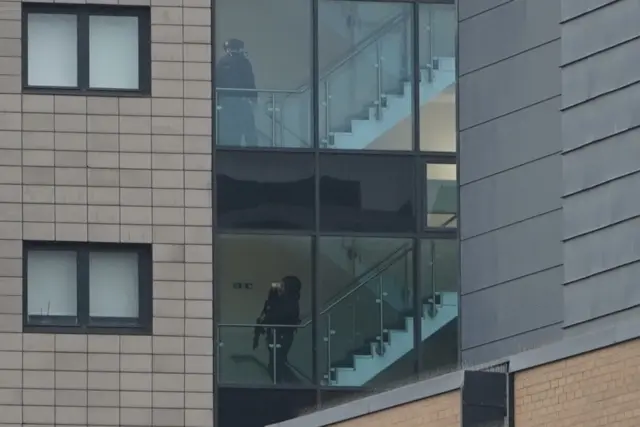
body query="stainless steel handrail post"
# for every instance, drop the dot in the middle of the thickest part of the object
(327, 111)
(378, 66)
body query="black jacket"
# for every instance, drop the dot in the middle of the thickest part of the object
(235, 71)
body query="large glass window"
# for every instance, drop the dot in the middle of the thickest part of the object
(366, 301)
(264, 289)
(437, 35)
(265, 190)
(366, 193)
(80, 287)
(365, 66)
(87, 48)
(263, 73)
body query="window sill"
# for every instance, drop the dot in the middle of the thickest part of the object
(86, 92)
(87, 330)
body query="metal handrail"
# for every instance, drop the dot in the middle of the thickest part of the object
(360, 47)
(362, 283)
(235, 89)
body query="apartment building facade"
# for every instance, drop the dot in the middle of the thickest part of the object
(432, 175)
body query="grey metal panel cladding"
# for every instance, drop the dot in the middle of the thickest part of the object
(602, 250)
(601, 206)
(468, 8)
(511, 252)
(509, 85)
(515, 195)
(600, 118)
(507, 346)
(572, 8)
(510, 141)
(602, 161)
(601, 295)
(580, 37)
(528, 303)
(602, 73)
(529, 23)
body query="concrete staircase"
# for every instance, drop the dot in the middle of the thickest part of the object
(367, 362)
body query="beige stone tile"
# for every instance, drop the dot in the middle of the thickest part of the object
(136, 344)
(168, 289)
(71, 415)
(103, 142)
(135, 417)
(37, 397)
(135, 233)
(104, 344)
(104, 416)
(167, 364)
(71, 397)
(168, 234)
(103, 362)
(99, 398)
(70, 104)
(104, 381)
(39, 361)
(135, 381)
(168, 326)
(199, 272)
(135, 399)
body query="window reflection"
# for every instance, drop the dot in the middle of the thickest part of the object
(366, 193)
(442, 196)
(265, 190)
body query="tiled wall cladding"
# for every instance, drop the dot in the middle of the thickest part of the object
(109, 169)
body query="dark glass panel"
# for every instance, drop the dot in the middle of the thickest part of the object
(265, 190)
(243, 407)
(366, 193)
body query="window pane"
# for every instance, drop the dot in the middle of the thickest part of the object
(366, 311)
(438, 77)
(113, 284)
(366, 193)
(366, 88)
(113, 52)
(52, 50)
(246, 268)
(265, 190)
(440, 291)
(52, 283)
(263, 73)
(442, 196)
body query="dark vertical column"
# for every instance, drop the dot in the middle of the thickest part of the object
(315, 138)
(214, 132)
(418, 185)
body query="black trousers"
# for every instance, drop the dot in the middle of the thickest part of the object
(235, 121)
(278, 369)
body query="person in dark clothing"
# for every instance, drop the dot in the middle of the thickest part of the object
(281, 308)
(235, 114)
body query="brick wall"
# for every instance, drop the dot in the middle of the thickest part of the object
(438, 411)
(107, 169)
(601, 388)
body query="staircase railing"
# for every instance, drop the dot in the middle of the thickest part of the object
(360, 281)
(328, 117)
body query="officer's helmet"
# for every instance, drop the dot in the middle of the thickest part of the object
(234, 45)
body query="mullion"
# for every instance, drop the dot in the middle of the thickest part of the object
(83, 50)
(83, 287)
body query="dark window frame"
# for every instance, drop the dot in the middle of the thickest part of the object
(83, 13)
(142, 325)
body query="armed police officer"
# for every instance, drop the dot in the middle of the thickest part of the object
(235, 115)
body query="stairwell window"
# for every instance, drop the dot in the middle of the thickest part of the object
(87, 287)
(86, 48)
